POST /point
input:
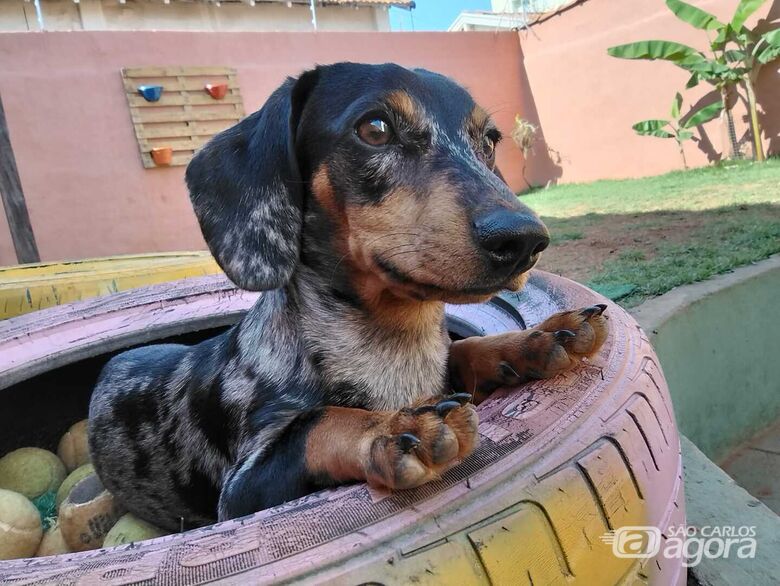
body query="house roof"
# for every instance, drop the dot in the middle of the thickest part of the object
(408, 4)
(488, 19)
(399, 3)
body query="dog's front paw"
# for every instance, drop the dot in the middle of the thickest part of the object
(417, 444)
(555, 345)
(588, 328)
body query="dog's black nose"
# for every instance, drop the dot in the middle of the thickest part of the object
(510, 237)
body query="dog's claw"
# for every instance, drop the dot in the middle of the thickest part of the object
(461, 398)
(407, 442)
(597, 309)
(507, 371)
(445, 407)
(563, 335)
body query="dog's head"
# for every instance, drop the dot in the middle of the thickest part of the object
(377, 172)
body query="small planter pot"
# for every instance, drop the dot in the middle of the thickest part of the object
(162, 156)
(151, 93)
(217, 90)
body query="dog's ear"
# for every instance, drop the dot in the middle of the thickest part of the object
(247, 192)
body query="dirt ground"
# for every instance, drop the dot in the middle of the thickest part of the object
(583, 257)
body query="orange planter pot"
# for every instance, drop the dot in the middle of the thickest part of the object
(162, 156)
(217, 90)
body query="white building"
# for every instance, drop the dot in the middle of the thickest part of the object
(202, 15)
(504, 14)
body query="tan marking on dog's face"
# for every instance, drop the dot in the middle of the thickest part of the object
(477, 122)
(349, 240)
(323, 193)
(404, 105)
(426, 239)
(413, 244)
(518, 282)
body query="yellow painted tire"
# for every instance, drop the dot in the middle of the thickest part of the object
(561, 463)
(31, 287)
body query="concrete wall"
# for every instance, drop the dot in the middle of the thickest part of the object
(586, 101)
(65, 15)
(75, 148)
(717, 343)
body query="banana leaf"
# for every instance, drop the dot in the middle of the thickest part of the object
(667, 50)
(768, 47)
(696, 17)
(744, 10)
(693, 81)
(734, 56)
(653, 128)
(707, 68)
(725, 35)
(676, 105)
(703, 115)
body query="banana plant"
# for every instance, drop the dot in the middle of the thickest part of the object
(679, 126)
(753, 51)
(725, 67)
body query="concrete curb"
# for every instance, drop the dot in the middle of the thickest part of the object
(712, 498)
(717, 343)
(652, 314)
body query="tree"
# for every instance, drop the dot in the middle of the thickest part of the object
(679, 127)
(726, 66)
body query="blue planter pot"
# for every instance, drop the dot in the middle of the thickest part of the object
(151, 93)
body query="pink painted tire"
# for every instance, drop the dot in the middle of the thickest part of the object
(561, 462)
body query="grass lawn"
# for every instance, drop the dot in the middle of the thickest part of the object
(637, 238)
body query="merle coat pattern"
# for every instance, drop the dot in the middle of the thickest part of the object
(360, 198)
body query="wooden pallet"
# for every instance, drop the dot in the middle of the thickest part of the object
(186, 116)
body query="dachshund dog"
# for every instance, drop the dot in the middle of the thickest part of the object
(360, 198)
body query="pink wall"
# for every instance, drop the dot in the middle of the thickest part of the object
(86, 190)
(88, 194)
(586, 101)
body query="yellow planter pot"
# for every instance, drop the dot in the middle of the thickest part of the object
(25, 288)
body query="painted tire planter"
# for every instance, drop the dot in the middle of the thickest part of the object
(31, 287)
(560, 463)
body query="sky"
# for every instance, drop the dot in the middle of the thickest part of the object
(433, 15)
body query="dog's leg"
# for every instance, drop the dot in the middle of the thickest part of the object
(333, 445)
(480, 365)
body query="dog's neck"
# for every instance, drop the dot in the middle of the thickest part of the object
(382, 353)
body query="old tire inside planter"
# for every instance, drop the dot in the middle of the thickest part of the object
(561, 462)
(32, 287)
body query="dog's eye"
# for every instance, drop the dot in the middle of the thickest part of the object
(375, 132)
(488, 147)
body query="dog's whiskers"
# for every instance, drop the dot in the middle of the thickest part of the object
(377, 239)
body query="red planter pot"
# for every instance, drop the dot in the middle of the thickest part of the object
(217, 90)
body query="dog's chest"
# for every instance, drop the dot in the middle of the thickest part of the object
(382, 370)
(395, 376)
